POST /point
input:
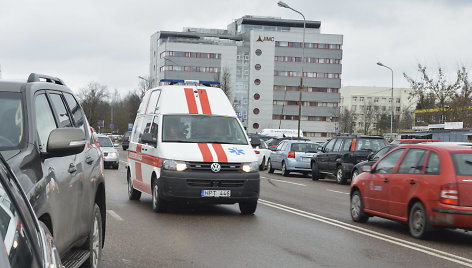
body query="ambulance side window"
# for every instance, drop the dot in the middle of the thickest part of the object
(136, 135)
(155, 127)
(145, 127)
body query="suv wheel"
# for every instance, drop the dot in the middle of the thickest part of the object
(418, 221)
(357, 208)
(315, 172)
(95, 240)
(270, 169)
(340, 177)
(132, 193)
(285, 172)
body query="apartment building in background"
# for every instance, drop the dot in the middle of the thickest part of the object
(263, 57)
(374, 101)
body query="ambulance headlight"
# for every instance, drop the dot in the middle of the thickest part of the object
(113, 154)
(250, 167)
(174, 165)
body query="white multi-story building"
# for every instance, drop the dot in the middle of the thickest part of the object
(375, 101)
(263, 57)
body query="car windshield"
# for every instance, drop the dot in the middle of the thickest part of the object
(105, 142)
(370, 144)
(202, 129)
(12, 131)
(462, 163)
(304, 147)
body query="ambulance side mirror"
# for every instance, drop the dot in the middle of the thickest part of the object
(149, 138)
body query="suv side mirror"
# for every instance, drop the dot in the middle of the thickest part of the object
(149, 138)
(65, 141)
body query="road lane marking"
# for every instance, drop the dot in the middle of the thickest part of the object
(114, 215)
(373, 234)
(299, 184)
(339, 192)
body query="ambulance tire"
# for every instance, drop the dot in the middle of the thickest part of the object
(248, 208)
(133, 194)
(158, 205)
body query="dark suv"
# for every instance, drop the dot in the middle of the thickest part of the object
(341, 153)
(45, 138)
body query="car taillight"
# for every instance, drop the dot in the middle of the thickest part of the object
(449, 194)
(291, 154)
(257, 152)
(125, 139)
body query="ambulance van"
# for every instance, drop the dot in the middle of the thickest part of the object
(188, 145)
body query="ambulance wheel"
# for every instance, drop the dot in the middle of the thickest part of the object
(247, 208)
(132, 193)
(158, 205)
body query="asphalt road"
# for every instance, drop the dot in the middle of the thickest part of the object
(298, 223)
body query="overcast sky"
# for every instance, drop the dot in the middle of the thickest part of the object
(108, 41)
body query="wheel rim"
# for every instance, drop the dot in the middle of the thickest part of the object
(283, 167)
(130, 187)
(418, 221)
(355, 206)
(354, 174)
(95, 242)
(269, 165)
(339, 175)
(155, 196)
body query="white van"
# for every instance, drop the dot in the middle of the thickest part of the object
(188, 145)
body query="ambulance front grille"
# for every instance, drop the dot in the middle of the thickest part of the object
(215, 183)
(206, 166)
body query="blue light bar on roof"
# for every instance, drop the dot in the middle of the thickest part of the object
(175, 81)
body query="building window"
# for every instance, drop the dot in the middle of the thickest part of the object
(384, 100)
(257, 82)
(398, 100)
(376, 99)
(369, 99)
(397, 109)
(353, 107)
(257, 96)
(361, 99)
(256, 111)
(354, 99)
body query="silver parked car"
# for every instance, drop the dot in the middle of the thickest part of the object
(293, 155)
(110, 154)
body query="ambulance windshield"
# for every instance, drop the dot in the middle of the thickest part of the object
(202, 129)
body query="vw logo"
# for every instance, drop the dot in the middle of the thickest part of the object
(215, 167)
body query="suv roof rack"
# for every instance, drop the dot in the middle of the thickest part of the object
(34, 77)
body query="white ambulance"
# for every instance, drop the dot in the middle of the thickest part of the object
(188, 145)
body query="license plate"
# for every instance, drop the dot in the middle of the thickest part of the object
(216, 193)
(307, 159)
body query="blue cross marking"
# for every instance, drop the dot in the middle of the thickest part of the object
(236, 151)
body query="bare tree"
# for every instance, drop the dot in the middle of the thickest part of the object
(93, 98)
(347, 121)
(367, 117)
(437, 89)
(225, 82)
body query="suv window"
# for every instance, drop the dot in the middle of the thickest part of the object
(45, 122)
(76, 111)
(329, 146)
(387, 164)
(11, 115)
(337, 145)
(371, 144)
(413, 162)
(63, 115)
(347, 145)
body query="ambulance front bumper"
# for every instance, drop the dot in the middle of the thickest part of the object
(193, 186)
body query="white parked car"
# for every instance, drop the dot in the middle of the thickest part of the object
(110, 154)
(262, 152)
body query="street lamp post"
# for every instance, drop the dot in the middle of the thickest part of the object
(284, 5)
(391, 116)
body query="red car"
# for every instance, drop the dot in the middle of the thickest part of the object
(424, 185)
(413, 141)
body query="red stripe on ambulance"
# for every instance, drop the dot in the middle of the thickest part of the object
(204, 101)
(220, 153)
(206, 153)
(191, 103)
(142, 186)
